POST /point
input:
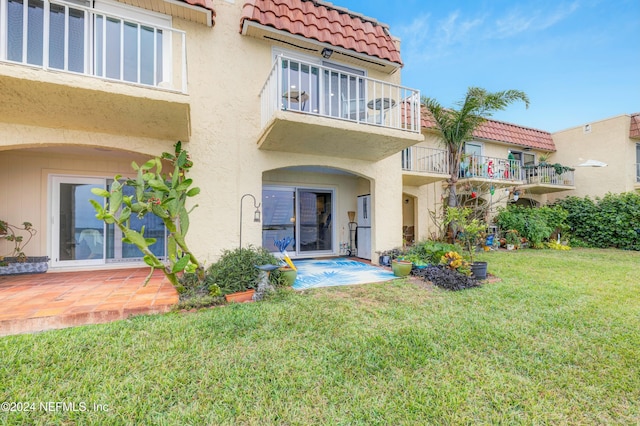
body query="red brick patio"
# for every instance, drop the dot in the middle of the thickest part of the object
(38, 302)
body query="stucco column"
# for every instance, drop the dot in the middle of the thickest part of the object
(386, 195)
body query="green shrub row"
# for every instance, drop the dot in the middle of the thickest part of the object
(612, 221)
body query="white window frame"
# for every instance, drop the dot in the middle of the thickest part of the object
(144, 16)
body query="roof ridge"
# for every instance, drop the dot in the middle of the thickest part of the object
(518, 125)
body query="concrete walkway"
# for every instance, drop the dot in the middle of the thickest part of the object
(38, 302)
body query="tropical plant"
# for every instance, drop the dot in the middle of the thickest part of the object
(456, 126)
(162, 196)
(467, 230)
(14, 234)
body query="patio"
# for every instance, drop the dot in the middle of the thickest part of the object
(39, 302)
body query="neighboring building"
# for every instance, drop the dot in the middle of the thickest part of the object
(501, 156)
(296, 102)
(614, 141)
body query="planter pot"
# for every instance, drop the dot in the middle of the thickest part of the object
(479, 270)
(401, 268)
(241, 296)
(33, 265)
(510, 247)
(289, 275)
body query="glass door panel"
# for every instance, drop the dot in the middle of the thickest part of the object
(78, 237)
(278, 216)
(314, 222)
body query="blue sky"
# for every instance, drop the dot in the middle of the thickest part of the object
(578, 61)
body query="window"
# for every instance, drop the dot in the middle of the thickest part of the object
(109, 40)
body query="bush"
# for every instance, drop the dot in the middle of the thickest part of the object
(536, 224)
(236, 271)
(430, 252)
(612, 221)
(446, 278)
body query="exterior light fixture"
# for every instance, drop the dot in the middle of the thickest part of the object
(326, 53)
(256, 214)
(516, 195)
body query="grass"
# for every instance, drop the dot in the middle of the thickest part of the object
(556, 341)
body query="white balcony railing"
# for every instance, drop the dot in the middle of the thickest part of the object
(483, 167)
(313, 89)
(425, 160)
(53, 34)
(548, 175)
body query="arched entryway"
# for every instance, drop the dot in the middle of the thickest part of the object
(310, 205)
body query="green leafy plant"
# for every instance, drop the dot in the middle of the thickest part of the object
(236, 269)
(159, 195)
(16, 236)
(611, 221)
(513, 238)
(536, 224)
(466, 229)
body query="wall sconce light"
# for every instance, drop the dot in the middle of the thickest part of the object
(256, 214)
(516, 195)
(326, 53)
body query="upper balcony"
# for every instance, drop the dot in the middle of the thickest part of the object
(498, 171)
(422, 165)
(547, 179)
(112, 70)
(312, 109)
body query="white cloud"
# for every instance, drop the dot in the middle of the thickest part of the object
(518, 21)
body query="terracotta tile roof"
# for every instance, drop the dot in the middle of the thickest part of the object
(205, 4)
(634, 131)
(499, 131)
(326, 23)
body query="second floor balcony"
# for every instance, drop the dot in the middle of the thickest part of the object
(545, 179)
(423, 165)
(102, 67)
(316, 109)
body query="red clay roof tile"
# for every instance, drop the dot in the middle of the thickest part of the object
(206, 4)
(499, 131)
(326, 23)
(634, 131)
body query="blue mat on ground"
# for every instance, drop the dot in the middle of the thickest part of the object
(333, 272)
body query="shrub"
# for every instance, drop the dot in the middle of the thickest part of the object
(536, 224)
(235, 270)
(430, 252)
(446, 278)
(611, 221)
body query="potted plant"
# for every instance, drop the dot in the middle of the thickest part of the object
(512, 239)
(18, 262)
(236, 272)
(401, 267)
(470, 233)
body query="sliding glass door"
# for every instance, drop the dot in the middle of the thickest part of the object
(302, 214)
(78, 238)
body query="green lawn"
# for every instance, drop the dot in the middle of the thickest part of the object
(556, 341)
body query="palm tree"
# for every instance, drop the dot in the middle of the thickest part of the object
(457, 125)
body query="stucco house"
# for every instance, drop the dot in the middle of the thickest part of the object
(502, 156)
(298, 103)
